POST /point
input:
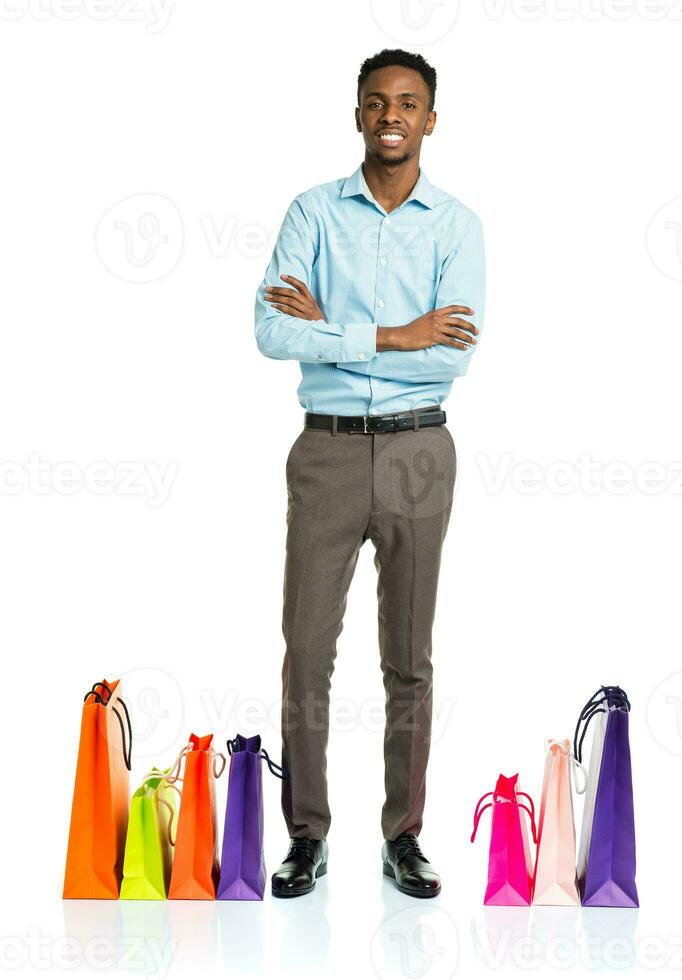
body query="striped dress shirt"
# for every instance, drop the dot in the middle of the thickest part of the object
(368, 268)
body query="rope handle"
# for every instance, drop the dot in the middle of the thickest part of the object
(478, 813)
(215, 756)
(162, 777)
(172, 812)
(273, 766)
(532, 817)
(174, 774)
(235, 745)
(93, 692)
(530, 800)
(614, 696)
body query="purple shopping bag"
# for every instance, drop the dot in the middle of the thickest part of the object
(242, 871)
(607, 876)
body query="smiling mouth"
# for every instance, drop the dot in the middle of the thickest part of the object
(391, 139)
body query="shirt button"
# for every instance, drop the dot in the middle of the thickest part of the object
(373, 411)
(382, 261)
(361, 357)
(380, 304)
(388, 220)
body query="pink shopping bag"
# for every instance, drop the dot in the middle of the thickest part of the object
(510, 865)
(556, 880)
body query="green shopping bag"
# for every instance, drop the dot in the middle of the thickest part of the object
(151, 838)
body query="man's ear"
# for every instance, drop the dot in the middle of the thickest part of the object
(357, 118)
(430, 122)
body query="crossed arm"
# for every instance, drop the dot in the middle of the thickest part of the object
(437, 346)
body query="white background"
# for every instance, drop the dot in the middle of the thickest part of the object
(559, 125)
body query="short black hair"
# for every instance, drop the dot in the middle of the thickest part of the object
(407, 59)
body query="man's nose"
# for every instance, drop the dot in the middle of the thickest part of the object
(390, 116)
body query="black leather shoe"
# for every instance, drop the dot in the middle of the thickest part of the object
(404, 861)
(305, 862)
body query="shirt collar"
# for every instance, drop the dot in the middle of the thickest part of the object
(356, 184)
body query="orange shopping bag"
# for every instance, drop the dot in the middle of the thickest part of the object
(196, 870)
(99, 811)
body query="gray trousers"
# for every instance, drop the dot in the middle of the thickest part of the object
(396, 489)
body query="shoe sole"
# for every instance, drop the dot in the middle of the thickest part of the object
(389, 872)
(322, 870)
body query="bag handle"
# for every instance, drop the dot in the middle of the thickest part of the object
(93, 692)
(174, 774)
(214, 757)
(531, 814)
(160, 775)
(235, 745)
(478, 813)
(481, 810)
(273, 766)
(614, 696)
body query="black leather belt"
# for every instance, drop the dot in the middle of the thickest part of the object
(369, 424)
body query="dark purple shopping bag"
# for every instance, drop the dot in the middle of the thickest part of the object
(242, 870)
(608, 877)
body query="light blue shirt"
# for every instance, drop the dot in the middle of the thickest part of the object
(368, 268)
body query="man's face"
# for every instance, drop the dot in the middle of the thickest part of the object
(393, 114)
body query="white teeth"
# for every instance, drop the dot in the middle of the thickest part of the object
(392, 137)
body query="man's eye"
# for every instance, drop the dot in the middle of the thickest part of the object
(410, 104)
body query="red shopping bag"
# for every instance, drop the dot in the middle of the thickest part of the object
(196, 870)
(510, 865)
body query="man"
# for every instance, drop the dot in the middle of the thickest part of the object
(382, 304)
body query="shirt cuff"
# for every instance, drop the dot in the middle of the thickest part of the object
(361, 342)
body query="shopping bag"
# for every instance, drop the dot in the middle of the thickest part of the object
(195, 871)
(242, 866)
(555, 880)
(150, 839)
(100, 805)
(607, 876)
(510, 865)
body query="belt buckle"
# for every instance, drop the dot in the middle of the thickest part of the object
(364, 430)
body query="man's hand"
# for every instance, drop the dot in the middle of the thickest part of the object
(296, 302)
(435, 327)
